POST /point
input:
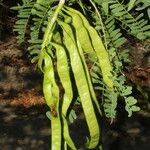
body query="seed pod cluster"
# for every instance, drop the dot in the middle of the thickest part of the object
(67, 48)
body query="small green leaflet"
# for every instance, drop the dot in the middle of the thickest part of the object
(131, 4)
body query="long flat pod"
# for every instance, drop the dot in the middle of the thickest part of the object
(63, 72)
(99, 48)
(84, 20)
(82, 85)
(56, 133)
(51, 94)
(89, 79)
(88, 76)
(81, 33)
(103, 57)
(84, 44)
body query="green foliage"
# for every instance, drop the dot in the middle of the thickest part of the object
(130, 105)
(137, 26)
(41, 11)
(113, 35)
(133, 23)
(33, 15)
(140, 5)
(110, 104)
(24, 12)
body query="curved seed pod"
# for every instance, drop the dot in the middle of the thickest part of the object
(99, 48)
(83, 42)
(103, 57)
(50, 88)
(67, 134)
(81, 33)
(82, 85)
(88, 77)
(84, 20)
(51, 94)
(63, 72)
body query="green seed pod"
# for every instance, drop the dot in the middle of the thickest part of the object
(82, 85)
(63, 72)
(81, 33)
(51, 94)
(97, 44)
